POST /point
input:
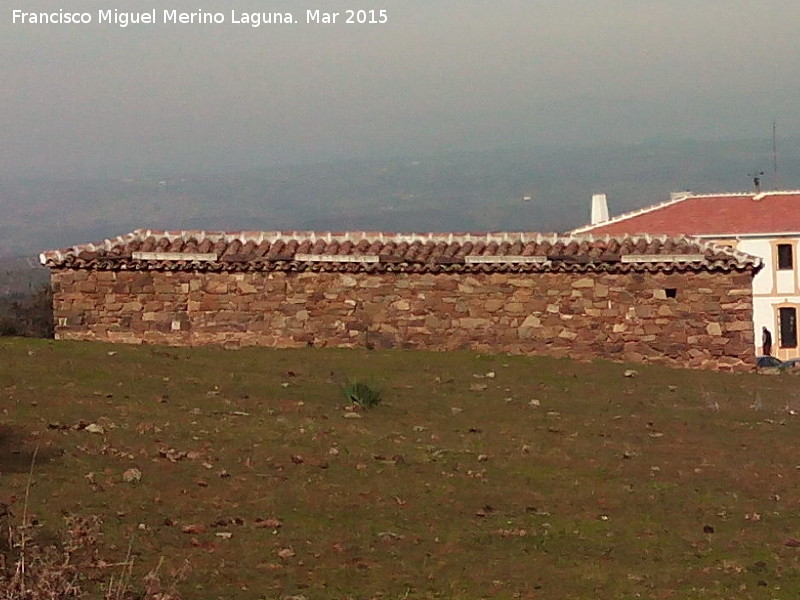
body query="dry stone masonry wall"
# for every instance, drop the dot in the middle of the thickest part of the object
(688, 318)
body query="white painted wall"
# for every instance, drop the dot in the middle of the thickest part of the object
(772, 289)
(762, 282)
(785, 282)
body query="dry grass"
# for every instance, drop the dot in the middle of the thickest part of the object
(35, 569)
(476, 477)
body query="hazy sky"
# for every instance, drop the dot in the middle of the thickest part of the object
(439, 75)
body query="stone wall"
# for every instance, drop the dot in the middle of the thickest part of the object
(627, 316)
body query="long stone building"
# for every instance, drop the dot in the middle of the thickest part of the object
(676, 301)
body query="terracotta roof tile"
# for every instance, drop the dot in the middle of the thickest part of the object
(709, 215)
(423, 252)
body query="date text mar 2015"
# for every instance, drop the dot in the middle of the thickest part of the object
(349, 17)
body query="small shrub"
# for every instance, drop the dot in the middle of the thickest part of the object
(362, 394)
(28, 315)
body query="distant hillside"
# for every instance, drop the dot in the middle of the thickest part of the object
(455, 192)
(21, 276)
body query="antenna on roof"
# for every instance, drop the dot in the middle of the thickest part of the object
(775, 153)
(756, 180)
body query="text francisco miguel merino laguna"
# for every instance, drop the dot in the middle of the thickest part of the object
(198, 17)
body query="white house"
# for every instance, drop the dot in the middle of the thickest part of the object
(766, 225)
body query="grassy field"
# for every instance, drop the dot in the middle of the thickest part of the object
(477, 477)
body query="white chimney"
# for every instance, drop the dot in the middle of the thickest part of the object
(599, 209)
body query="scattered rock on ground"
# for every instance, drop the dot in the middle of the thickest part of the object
(132, 475)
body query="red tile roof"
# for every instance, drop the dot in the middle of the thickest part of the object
(709, 215)
(395, 252)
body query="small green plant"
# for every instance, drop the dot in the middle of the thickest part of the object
(362, 394)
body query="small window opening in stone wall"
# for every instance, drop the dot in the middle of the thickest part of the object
(671, 292)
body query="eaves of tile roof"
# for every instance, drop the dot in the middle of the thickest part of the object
(395, 252)
(712, 215)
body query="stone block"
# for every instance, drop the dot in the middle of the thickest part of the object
(246, 288)
(348, 281)
(536, 305)
(523, 282)
(216, 286)
(515, 308)
(531, 321)
(473, 323)
(494, 304)
(402, 305)
(105, 277)
(210, 304)
(652, 329)
(736, 306)
(584, 282)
